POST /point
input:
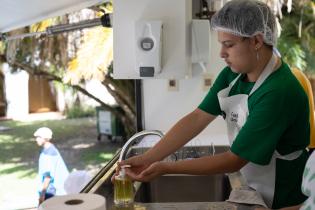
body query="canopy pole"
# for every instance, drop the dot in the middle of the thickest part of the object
(105, 21)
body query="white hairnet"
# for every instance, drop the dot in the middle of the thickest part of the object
(246, 18)
(43, 132)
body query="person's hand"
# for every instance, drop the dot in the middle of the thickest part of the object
(137, 164)
(152, 171)
(41, 198)
(115, 174)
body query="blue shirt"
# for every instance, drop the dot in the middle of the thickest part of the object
(52, 165)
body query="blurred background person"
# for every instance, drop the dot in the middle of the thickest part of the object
(52, 170)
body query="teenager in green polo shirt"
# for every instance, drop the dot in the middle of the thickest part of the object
(264, 106)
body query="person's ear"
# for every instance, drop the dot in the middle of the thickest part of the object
(258, 41)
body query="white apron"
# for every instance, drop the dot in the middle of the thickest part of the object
(235, 109)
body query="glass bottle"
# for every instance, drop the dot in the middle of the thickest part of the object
(123, 189)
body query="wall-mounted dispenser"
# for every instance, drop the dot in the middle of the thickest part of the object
(148, 50)
(200, 41)
(171, 52)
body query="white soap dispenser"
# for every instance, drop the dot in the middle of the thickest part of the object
(148, 47)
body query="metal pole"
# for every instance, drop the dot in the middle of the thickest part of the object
(105, 21)
(138, 98)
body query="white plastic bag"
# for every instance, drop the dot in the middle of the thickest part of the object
(76, 181)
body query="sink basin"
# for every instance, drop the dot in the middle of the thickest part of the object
(179, 188)
(184, 188)
(186, 152)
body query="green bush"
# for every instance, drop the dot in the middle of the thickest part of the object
(79, 111)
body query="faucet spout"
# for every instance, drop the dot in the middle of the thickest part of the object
(134, 138)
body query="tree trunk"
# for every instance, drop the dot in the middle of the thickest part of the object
(127, 117)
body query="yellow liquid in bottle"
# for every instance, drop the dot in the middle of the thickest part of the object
(123, 191)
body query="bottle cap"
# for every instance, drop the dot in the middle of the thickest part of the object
(122, 172)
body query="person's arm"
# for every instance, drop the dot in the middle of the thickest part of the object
(187, 128)
(222, 163)
(286, 208)
(183, 131)
(226, 162)
(292, 208)
(44, 189)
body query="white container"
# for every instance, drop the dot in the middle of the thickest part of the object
(148, 49)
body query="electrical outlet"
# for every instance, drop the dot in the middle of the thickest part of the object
(172, 85)
(206, 81)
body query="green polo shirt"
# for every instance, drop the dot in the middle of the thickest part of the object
(278, 120)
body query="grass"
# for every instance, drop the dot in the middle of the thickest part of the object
(19, 150)
(76, 140)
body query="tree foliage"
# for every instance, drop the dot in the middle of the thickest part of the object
(297, 40)
(72, 59)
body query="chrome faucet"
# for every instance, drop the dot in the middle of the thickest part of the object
(134, 138)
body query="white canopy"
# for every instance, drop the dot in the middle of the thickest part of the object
(19, 13)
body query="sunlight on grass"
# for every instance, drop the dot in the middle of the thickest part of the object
(82, 146)
(5, 138)
(12, 123)
(16, 159)
(89, 157)
(106, 156)
(8, 147)
(18, 170)
(10, 142)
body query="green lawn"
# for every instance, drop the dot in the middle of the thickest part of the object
(76, 140)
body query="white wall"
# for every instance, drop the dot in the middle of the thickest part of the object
(17, 93)
(162, 108)
(176, 17)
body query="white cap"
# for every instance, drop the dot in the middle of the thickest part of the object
(43, 132)
(122, 172)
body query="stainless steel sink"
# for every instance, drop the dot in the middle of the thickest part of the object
(186, 152)
(186, 188)
(169, 188)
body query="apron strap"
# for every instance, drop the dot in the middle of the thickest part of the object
(234, 81)
(265, 73)
(291, 156)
